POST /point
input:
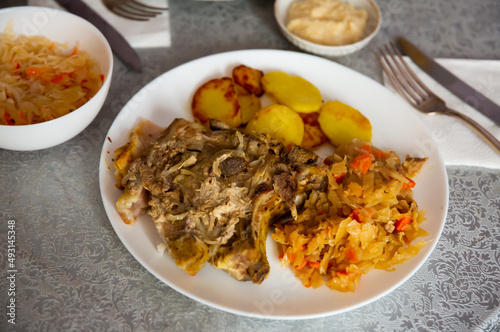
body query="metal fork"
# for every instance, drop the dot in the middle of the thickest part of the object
(411, 88)
(133, 9)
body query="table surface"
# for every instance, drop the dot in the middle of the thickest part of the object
(75, 274)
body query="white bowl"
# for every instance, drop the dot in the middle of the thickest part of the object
(61, 27)
(372, 27)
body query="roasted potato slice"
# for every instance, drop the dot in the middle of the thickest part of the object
(313, 135)
(342, 123)
(280, 122)
(249, 78)
(293, 91)
(217, 99)
(249, 103)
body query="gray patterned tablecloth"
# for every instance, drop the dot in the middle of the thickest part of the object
(74, 274)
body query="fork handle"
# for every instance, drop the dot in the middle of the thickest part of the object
(480, 129)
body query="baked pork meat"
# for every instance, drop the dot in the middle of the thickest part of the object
(213, 194)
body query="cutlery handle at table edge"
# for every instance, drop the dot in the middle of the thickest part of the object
(495, 143)
(119, 45)
(450, 81)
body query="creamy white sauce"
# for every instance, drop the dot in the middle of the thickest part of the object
(327, 22)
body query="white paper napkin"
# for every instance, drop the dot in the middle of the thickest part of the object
(140, 34)
(458, 143)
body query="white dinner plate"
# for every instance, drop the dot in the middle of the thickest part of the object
(280, 296)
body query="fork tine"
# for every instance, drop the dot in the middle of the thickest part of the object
(148, 6)
(414, 76)
(387, 67)
(126, 7)
(404, 77)
(132, 16)
(140, 8)
(133, 9)
(399, 63)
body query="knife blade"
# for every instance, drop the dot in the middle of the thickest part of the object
(459, 88)
(118, 44)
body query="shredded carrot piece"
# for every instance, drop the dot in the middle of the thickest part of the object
(340, 177)
(75, 50)
(302, 264)
(357, 212)
(362, 163)
(379, 154)
(355, 215)
(33, 71)
(403, 223)
(367, 148)
(57, 79)
(351, 254)
(314, 265)
(410, 184)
